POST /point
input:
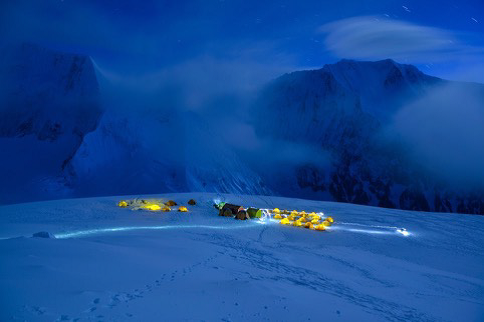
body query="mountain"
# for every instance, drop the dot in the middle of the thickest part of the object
(344, 109)
(63, 140)
(49, 102)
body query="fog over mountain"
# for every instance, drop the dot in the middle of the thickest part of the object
(396, 137)
(377, 133)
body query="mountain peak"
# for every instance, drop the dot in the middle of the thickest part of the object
(377, 82)
(383, 62)
(380, 87)
(379, 66)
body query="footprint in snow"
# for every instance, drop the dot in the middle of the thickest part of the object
(36, 310)
(123, 298)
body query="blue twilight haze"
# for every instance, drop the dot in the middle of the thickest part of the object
(241, 160)
(122, 97)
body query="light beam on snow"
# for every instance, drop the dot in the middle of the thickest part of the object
(84, 233)
(373, 226)
(365, 231)
(340, 226)
(370, 229)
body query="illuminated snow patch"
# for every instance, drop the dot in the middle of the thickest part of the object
(359, 230)
(403, 231)
(84, 233)
(372, 226)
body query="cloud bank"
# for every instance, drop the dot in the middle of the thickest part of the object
(444, 132)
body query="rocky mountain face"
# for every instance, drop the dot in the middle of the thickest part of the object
(343, 109)
(49, 102)
(48, 94)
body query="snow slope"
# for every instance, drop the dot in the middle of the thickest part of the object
(132, 152)
(198, 266)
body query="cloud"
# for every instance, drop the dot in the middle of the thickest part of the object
(371, 37)
(467, 70)
(204, 83)
(444, 132)
(266, 152)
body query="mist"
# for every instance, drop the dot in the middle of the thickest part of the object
(444, 132)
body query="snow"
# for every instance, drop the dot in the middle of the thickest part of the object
(114, 264)
(173, 152)
(382, 86)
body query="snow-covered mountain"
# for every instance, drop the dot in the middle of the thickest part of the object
(49, 102)
(344, 109)
(62, 141)
(133, 153)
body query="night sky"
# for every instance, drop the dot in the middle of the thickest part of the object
(263, 38)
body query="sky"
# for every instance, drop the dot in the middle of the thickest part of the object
(259, 39)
